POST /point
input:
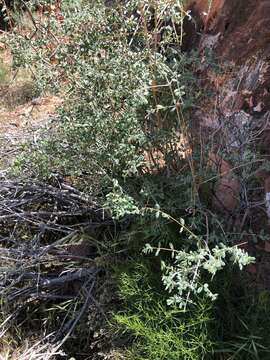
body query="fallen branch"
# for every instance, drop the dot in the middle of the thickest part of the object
(40, 259)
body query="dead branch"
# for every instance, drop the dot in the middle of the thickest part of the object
(42, 260)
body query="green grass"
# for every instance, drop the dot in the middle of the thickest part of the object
(242, 318)
(235, 327)
(156, 331)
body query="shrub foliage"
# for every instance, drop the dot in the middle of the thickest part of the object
(124, 133)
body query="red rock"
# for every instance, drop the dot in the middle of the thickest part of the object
(243, 25)
(227, 188)
(252, 269)
(267, 246)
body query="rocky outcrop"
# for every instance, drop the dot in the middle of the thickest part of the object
(237, 114)
(243, 26)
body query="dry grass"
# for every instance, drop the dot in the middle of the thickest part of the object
(16, 87)
(22, 111)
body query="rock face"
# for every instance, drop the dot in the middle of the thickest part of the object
(237, 114)
(243, 25)
(239, 32)
(227, 189)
